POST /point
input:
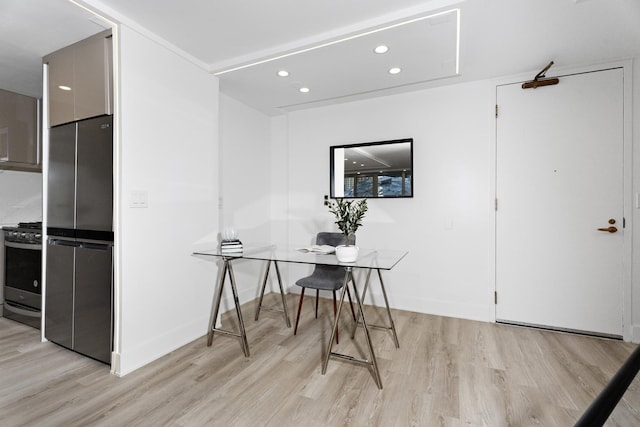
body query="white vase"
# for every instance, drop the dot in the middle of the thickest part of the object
(347, 253)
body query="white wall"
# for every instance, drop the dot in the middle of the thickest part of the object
(20, 197)
(168, 148)
(445, 226)
(635, 221)
(245, 187)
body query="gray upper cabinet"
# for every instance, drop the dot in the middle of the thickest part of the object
(61, 83)
(80, 80)
(19, 132)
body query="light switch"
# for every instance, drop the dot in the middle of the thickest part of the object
(138, 199)
(448, 224)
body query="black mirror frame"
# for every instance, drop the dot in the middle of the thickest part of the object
(332, 178)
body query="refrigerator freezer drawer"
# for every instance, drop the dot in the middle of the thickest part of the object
(79, 296)
(92, 314)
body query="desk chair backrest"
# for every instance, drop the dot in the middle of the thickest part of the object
(325, 277)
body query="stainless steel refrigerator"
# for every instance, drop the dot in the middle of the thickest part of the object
(79, 259)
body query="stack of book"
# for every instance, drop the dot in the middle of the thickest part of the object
(231, 247)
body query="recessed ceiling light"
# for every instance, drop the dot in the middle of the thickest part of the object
(283, 73)
(64, 87)
(381, 49)
(304, 89)
(394, 70)
(351, 37)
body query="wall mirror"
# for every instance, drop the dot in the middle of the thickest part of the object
(382, 169)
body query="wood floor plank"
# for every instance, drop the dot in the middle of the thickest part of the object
(447, 372)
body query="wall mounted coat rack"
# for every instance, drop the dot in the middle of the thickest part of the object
(540, 80)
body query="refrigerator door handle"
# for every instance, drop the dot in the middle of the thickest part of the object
(95, 246)
(60, 242)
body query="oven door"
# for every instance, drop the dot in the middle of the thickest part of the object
(23, 275)
(23, 267)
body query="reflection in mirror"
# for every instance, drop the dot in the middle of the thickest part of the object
(372, 170)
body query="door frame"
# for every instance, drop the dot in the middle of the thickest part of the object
(626, 65)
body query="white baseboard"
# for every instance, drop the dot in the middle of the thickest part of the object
(132, 358)
(424, 305)
(635, 334)
(435, 307)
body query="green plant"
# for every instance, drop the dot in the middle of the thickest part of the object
(349, 214)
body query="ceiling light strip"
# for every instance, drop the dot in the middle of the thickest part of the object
(94, 13)
(457, 41)
(355, 36)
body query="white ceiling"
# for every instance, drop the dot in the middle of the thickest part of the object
(497, 38)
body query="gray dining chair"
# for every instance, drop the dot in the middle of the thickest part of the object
(325, 277)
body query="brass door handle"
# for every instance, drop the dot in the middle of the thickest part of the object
(611, 229)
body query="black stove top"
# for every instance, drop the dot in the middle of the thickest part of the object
(31, 225)
(25, 232)
(22, 226)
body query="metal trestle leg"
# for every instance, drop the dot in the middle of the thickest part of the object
(348, 279)
(283, 297)
(227, 269)
(391, 326)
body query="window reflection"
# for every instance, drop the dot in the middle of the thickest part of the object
(377, 169)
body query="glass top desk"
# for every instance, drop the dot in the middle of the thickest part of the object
(368, 259)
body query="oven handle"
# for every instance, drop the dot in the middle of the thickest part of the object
(30, 246)
(19, 310)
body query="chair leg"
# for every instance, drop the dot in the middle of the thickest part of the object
(353, 313)
(335, 314)
(317, 299)
(295, 331)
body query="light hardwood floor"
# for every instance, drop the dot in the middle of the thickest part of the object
(447, 372)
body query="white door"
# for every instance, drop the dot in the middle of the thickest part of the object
(559, 178)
